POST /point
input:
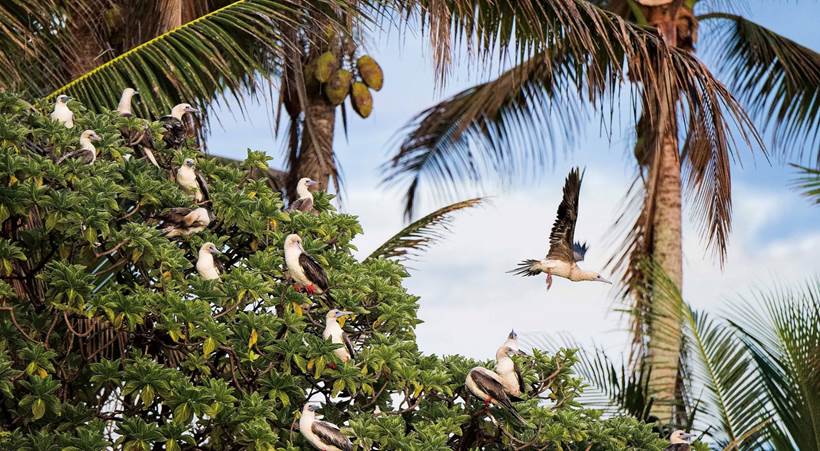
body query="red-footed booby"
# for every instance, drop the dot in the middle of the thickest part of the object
(176, 131)
(183, 222)
(488, 387)
(509, 372)
(191, 181)
(304, 269)
(139, 139)
(334, 332)
(87, 153)
(321, 434)
(124, 107)
(563, 253)
(679, 441)
(62, 113)
(206, 265)
(304, 201)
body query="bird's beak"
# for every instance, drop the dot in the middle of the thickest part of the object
(96, 138)
(136, 93)
(311, 183)
(688, 437)
(601, 279)
(191, 110)
(344, 313)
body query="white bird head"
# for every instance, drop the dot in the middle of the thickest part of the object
(179, 110)
(89, 136)
(311, 407)
(62, 98)
(210, 248)
(293, 241)
(189, 163)
(306, 182)
(679, 437)
(334, 314)
(130, 92)
(593, 276)
(600, 278)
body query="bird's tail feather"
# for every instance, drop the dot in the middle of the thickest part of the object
(526, 268)
(509, 407)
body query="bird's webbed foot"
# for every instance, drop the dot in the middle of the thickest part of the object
(549, 280)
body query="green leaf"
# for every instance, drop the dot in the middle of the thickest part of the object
(38, 409)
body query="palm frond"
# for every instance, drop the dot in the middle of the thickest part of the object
(578, 56)
(777, 79)
(783, 338)
(214, 55)
(421, 234)
(808, 182)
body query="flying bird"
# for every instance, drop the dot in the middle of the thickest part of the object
(304, 269)
(191, 181)
(62, 113)
(87, 153)
(509, 372)
(176, 129)
(139, 139)
(334, 332)
(183, 222)
(304, 201)
(321, 434)
(563, 253)
(489, 387)
(679, 441)
(206, 265)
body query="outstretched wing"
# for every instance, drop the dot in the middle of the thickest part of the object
(563, 230)
(579, 250)
(313, 271)
(330, 434)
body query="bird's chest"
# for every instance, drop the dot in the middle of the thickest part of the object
(558, 268)
(205, 261)
(333, 332)
(186, 178)
(295, 269)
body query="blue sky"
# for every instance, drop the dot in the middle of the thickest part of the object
(462, 281)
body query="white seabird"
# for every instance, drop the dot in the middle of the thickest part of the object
(304, 269)
(62, 113)
(334, 332)
(124, 107)
(184, 221)
(207, 267)
(139, 139)
(176, 131)
(88, 152)
(191, 181)
(321, 434)
(488, 387)
(679, 441)
(563, 253)
(509, 372)
(304, 201)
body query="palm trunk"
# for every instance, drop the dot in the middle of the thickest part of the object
(665, 326)
(316, 159)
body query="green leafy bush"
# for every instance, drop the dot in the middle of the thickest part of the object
(109, 338)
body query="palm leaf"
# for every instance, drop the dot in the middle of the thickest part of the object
(809, 183)
(777, 79)
(218, 53)
(421, 234)
(579, 56)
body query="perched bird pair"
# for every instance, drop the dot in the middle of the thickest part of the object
(502, 386)
(564, 253)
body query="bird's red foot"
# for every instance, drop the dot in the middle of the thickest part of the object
(311, 289)
(297, 287)
(331, 365)
(549, 281)
(487, 403)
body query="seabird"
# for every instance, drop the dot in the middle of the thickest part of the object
(563, 253)
(183, 221)
(61, 112)
(191, 181)
(124, 107)
(139, 139)
(304, 269)
(679, 441)
(175, 129)
(87, 153)
(334, 332)
(321, 434)
(488, 387)
(304, 202)
(207, 267)
(509, 372)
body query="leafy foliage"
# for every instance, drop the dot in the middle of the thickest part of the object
(809, 183)
(109, 338)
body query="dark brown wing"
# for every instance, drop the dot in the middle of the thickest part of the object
(175, 215)
(203, 185)
(348, 344)
(305, 204)
(330, 434)
(489, 385)
(314, 272)
(174, 135)
(519, 378)
(678, 447)
(563, 230)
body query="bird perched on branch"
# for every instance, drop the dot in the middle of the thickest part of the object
(182, 221)
(509, 371)
(679, 441)
(206, 265)
(304, 201)
(304, 269)
(62, 113)
(139, 139)
(488, 387)
(564, 253)
(87, 153)
(191, 181)
(333, 331)
(176, 129)
(321, 434)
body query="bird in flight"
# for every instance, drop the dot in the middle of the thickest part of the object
(564, 253)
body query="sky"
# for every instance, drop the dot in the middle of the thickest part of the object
(467, 300)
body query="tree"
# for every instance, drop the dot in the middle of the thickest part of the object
(683, 141)
(108, 337)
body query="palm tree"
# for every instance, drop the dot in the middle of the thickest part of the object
(500, 127)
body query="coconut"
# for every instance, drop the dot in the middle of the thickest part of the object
(325, 65)
(361, 99)
(370, 72)
(338, 86)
